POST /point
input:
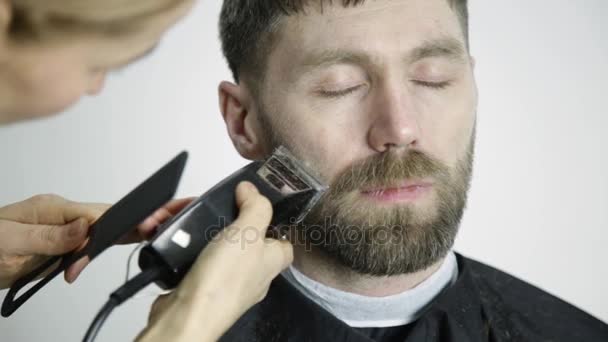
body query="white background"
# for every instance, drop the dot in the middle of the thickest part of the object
(538, 204)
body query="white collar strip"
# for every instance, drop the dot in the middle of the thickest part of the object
(378, 312)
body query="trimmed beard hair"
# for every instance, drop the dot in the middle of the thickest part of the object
(377, 240)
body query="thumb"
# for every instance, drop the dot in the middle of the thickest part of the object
(278, 255)
(51, 240)
(255, 210)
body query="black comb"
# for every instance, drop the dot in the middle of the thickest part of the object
(115, 223)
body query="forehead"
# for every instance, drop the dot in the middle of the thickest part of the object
(376, 27)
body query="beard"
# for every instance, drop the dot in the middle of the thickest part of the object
(385, 240)
(377, 240)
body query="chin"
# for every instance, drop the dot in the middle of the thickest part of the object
(44, 110)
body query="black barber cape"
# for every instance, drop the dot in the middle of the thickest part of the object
(484, 304)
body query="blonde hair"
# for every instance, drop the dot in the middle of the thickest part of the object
(45, 19)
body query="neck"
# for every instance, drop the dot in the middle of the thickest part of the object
(322, 269)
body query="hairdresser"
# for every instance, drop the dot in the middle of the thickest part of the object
(53, 52)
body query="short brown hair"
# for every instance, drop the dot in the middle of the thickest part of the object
(247, 27)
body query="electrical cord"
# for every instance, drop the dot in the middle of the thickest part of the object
(141, 294)
(119, 296)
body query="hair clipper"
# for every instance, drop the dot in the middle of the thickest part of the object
(291, 189)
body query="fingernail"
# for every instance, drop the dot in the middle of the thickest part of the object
(250, 188)
(79, 265)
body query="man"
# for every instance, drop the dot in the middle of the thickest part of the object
(379, 98)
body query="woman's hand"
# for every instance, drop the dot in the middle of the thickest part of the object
(232, 274)
(46, 225)
(144, 231)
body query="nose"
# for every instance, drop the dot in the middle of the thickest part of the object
(96, 84)
(394, 123)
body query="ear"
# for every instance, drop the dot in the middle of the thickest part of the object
(238, 111)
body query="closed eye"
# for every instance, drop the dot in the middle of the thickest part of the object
(432, 85)
(338, 93)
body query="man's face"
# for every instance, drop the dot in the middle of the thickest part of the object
(380, 99)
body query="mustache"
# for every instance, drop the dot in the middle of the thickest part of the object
(388, 169)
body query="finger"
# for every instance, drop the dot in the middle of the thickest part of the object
(160, 216)
(177, 205)
(52, 210)
(169, 210)
(46, 240)
(72, 273)
(150, 224)
(74, 210)
(278, 255)
(255, 210)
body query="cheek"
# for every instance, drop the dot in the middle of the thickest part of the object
(329, 140)
(50, 91)
(448, 125)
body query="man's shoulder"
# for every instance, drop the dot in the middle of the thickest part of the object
(517, 303)
(510, 308)
(511, 289)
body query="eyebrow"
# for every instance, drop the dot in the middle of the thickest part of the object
(332, 57)
(449, 48)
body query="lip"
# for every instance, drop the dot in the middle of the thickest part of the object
(408, 191)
